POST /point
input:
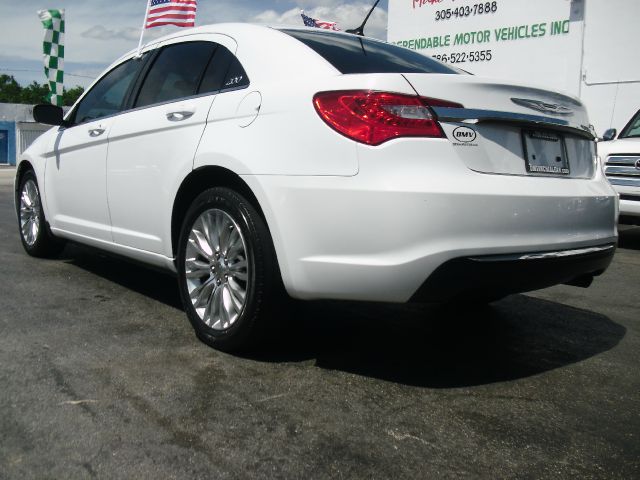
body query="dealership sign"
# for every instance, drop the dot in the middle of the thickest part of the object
(533, 41)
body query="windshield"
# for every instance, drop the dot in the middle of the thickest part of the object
(354, 54)
(633, 127)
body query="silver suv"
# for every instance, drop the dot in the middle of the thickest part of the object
(621, 156)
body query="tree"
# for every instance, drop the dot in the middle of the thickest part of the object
(70, 96)
(9, 89)
(34, 93)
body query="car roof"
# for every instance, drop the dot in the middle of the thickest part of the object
(254, 60)
(234, 30)
(238, 31)
(241, 28)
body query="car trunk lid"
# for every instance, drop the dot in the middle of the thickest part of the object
(509, 128)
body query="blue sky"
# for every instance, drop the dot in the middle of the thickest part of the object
(99, 31)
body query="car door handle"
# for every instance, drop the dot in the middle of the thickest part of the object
(96, 132)
(179, 116)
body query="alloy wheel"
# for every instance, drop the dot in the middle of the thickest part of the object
(30, 212)
(216, 269)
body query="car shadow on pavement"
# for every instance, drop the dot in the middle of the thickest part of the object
(412, 344)
(444, 347)
(629, 237)
(156, 284)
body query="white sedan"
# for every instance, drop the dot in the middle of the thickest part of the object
(253, 161)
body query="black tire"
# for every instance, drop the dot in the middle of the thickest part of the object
(36, 237)
(263, 287)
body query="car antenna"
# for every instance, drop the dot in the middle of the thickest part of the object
(360, 29)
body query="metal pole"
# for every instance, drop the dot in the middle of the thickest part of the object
(583, 76)
(144, 24)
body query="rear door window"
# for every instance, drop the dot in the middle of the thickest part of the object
(236, 76)
(355, 54)
(176, 73)
(224, 71)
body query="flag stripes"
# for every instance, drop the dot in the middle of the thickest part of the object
(181, 13)
(314, 22)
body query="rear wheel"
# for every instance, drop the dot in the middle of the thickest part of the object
(228, 274)
(36, 238)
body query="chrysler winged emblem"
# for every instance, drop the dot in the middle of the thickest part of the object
(544, 107)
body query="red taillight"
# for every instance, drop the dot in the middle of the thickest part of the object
(375, 117)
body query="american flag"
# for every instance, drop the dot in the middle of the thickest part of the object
(181, 13)
(312, 22)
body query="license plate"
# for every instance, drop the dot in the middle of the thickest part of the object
(545, 152)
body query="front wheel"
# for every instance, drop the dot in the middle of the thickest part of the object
(227, 270)
(36, 238)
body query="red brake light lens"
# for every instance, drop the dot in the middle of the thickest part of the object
(375, 117)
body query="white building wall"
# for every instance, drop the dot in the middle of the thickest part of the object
(26, 134)
(610, 84)
(16, 112)
(26, 129)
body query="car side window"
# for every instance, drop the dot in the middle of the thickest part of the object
(224, 71)
(175, 73)
(107, 97)
(236, 76)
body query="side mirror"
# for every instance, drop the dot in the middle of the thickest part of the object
(609, 135)
(48, 114)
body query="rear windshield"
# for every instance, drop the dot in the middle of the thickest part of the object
(354, 54)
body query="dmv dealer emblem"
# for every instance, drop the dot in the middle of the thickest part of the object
(544, 107)
(464, 134)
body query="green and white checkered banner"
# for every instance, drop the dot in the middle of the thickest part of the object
(53, 49)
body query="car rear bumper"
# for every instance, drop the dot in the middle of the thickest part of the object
(379, 235)
(494, 276)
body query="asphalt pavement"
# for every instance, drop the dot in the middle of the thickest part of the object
(101, 376)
